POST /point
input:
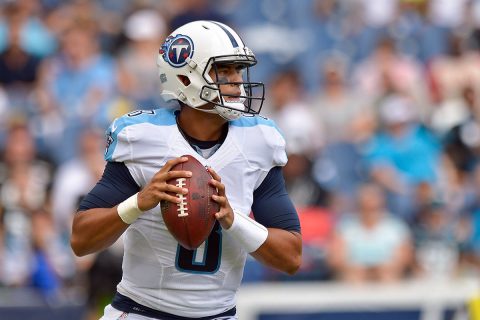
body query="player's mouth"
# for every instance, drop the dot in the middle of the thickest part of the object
(232, 99)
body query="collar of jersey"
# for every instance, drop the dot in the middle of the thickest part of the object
(195, 143)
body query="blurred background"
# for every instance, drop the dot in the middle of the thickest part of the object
(379, 102)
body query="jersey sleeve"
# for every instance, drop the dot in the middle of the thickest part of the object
(272, 207)
(133, 139)
(121, 135)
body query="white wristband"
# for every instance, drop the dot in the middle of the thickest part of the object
(249, 233)
(128, 210)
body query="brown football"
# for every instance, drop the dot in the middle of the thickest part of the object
(191, 221)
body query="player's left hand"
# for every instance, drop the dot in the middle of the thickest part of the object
(225, 213)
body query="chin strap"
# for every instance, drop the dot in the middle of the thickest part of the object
(228, 110)
(228, 114)
(233, 111)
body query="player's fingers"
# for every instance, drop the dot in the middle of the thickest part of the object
(219, 186)
(225, 217)
(147, 199)
(172, 189)
(162, 177)
(220, 215)
(172, 162)
(168, 197)
(177, 174)
(214, 174)
(221, 200)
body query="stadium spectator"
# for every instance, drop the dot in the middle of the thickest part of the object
(468, 232)
(348, 120)
(77, 84)
(452, 72)
(387, 71)
(73, 179)
(371, 244)
(462, 141)
(18, 71)
(138, 81)
(52, 264)
(34, 35)
(24, 184)
(437, 248)
(346, 116)
(402, 154)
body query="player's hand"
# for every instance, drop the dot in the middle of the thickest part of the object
(225, 213)
(157, 189)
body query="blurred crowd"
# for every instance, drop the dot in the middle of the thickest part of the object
(379, 102)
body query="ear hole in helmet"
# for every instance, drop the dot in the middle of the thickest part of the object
(184, 79)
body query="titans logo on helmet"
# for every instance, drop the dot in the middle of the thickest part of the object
(175, 50)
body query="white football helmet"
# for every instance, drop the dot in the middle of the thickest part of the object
(191, 52)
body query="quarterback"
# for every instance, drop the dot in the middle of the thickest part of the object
(205, 66)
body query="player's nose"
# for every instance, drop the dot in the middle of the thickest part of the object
(235, 84)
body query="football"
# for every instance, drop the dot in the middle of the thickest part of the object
(191, 221)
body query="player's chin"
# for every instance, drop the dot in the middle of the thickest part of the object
(207, 106)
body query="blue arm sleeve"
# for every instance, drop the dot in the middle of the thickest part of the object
(272, 206)
(116, 185)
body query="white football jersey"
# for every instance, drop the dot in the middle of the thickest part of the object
(157, 271)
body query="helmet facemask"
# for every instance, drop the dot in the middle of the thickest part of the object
(252, 94)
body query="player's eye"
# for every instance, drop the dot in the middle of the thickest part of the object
(240, 67)
(222, 70)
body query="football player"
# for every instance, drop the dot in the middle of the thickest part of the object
(204, 65)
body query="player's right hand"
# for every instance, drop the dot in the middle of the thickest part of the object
(158, 188)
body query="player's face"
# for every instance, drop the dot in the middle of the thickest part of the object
(232, 76)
